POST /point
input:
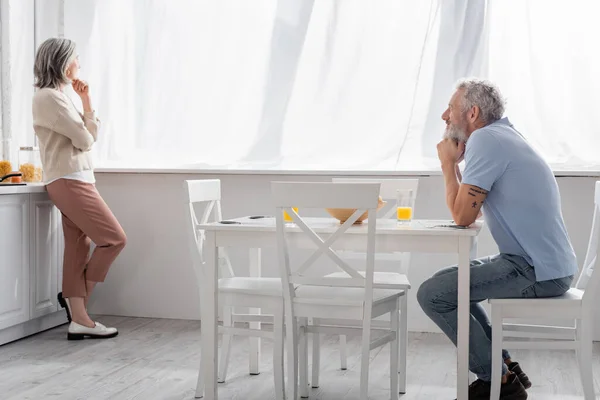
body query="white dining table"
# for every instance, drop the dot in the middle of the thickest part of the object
(421, 236)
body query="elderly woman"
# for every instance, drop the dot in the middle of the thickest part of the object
(65, 138)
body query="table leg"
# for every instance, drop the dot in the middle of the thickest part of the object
(255, 271)
(209, 303)
(464, 277)
(474, 247)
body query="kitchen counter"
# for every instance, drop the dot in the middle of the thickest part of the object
(28, 188)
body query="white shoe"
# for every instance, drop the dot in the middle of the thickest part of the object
(79, 332)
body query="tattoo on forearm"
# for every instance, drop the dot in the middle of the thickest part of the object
(471, 194)
(474, 204)
(473, 190)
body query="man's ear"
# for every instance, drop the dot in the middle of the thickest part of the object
(474, 113)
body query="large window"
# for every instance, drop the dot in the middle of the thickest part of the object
(329, 85)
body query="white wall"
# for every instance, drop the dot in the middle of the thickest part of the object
(153, 276)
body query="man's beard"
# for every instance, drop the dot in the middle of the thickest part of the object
(455, 133)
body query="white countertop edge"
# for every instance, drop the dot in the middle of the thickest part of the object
(29, 188)
(205, 171)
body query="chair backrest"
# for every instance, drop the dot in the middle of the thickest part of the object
(588, 280)
(208, 193)
(304, 195)
(388, 191)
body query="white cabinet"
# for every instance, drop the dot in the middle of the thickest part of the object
(30, 262)
(44, 255)
(14, 259)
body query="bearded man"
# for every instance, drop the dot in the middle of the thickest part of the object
(518, 194)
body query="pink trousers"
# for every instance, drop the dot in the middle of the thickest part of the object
(86, 218)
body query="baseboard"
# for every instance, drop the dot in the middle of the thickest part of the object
(32, 327)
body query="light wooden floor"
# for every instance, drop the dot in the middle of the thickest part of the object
(159, 359)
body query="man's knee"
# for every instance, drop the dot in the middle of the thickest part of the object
(444, 271)
(427, 291)
(435, 294)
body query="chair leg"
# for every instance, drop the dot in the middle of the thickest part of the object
(303, 355)
(316, 354)
(200, 382)
(343, 356)
(291, 327)
(254, 361)
(365, 359)
(394, 351)
(254, 269)
(226, 344)
(497, 338)
(585, 359)
(403, 342)
(278, 355)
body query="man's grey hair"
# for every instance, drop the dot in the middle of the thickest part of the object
(52, 59)
(485, 95)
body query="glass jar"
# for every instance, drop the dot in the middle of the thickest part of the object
(6, 161)
(30, 164)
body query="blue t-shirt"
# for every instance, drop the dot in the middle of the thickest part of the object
(522, 208)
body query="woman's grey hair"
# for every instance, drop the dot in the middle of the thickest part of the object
(52, 59)
(485, 95)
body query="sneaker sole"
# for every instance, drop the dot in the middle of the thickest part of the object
(81, 336)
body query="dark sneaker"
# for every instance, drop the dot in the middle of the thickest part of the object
(516, 368)
(511, 390)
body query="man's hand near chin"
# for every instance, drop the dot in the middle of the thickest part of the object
(464, 201)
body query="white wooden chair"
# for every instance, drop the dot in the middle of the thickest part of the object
(578, 304)
(381, 280)
(264, 293)
(319, 297)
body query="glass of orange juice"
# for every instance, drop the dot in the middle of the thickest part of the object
(287, 217)
(404, 206)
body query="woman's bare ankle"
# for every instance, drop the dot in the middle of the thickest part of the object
(89, 285)
(79, 314)
(87, 322)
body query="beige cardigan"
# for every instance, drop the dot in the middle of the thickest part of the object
(65, 136)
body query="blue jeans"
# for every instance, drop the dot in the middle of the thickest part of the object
(497, 277)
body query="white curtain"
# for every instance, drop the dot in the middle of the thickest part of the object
(175, 82)
(545, 57)
(329, 85)
(16, 77)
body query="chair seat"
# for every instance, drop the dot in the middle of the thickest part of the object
(381, 280)
(251, 285)
(342, 296)
(571, 296)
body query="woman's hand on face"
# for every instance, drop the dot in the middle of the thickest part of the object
(81, 87)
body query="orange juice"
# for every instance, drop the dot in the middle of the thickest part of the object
(287, 217)
(404, 213)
